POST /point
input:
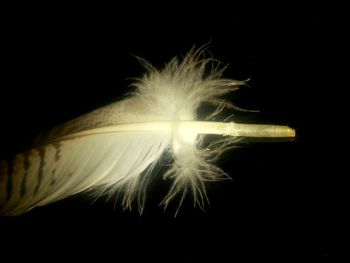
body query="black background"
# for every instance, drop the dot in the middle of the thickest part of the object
(61, 62)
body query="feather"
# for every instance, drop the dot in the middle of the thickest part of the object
(115, 148)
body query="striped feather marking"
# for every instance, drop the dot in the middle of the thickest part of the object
(26, 165)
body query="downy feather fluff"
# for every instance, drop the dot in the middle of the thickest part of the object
(70, 159)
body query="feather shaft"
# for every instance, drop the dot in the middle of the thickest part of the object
(196, 127)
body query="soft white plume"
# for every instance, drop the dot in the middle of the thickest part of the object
(115, 148)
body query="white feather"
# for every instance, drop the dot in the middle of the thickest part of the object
(114, 148)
